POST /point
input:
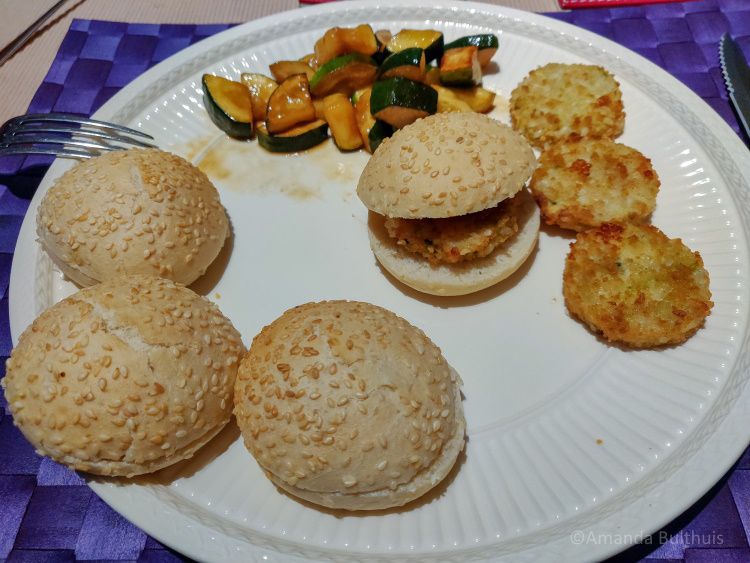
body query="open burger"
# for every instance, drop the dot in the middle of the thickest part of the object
(449, 214)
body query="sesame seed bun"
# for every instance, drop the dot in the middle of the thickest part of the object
(140, 211)
(124, 377)
(445, 165)
(346, 405)
(465, 277)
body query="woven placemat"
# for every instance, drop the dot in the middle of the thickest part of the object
(47, 513)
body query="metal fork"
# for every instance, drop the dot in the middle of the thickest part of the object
(66, 135)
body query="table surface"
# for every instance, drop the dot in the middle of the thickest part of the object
(716, 527)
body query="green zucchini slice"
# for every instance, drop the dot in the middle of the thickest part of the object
(379, 131)
(478, 98)
(432, 75)
(261, 87)
(229, 105)
(448, 101)
(343, 74)
(400, 101)
(338, 112)
(460, 67)
(282, 70)
(339, 41)
(289, 105)
(372, 131)
(487, 44)
(429, 40)
(409, 63)
(299, 138)
(357, 94)
(382, 36)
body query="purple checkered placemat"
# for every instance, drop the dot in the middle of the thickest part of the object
(47, 513)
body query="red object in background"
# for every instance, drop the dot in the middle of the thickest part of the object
(567, 4)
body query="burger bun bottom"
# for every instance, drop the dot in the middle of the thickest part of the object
(463, 278)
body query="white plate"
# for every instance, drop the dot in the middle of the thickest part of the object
(566, 434)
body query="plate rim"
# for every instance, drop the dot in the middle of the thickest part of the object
(731, 143)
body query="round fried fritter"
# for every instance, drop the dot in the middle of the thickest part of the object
(594, 181)
(567, 102)
(635, 285)
(456, 239)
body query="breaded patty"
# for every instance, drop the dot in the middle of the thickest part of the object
(567, 102)
(635, 285)
(457, 239)
(594, 181)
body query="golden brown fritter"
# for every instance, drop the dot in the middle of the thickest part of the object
(636, 286)
(594, 181)
(457, 239)
(567, 102)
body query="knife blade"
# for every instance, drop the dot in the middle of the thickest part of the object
(736, 73)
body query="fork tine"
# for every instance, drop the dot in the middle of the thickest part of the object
(73, 136)
(19, 142)
(52, 151)
(86, 133)
(73, 119)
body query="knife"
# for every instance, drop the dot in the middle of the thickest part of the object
(736, 73)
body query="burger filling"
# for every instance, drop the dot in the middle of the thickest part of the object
(457, 239)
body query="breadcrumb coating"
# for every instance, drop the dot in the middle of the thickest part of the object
(636, 286)
(594, 181)
(567, 102)
(456, 239)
